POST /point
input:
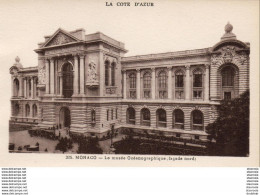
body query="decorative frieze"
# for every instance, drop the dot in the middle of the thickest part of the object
(229, 54)
(60, 39)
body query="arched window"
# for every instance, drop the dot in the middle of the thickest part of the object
(147, 85)
(228, 82)
(107, 115)
(30, 88)
(67, 72)
(132, 85)
(161, 118)
(113, 72)
(145, 117)
(93, 116)
(16, 87)
(37, 91)
(197, 120)
(106, 72)
(16, 109)
(27, 110)
(130, 115)
(178, 119)
(197, 84)
(162, 85)
(179, 85)
(34, 110)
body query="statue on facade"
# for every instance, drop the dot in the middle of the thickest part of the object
(92, 72)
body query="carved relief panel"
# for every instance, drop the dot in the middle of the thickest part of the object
(229, 54)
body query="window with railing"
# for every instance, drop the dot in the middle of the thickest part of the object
(93, 116)
(162, 85)
(197, 84)
(145, 117)
(34, 110)
(161, 118)
(178, 119)
(16, 109)
(107, 115)
(197, 120)
(228, 82)
(179, 85)
(132, 86)
(130, 116)
(16, 87)
(147, 85)
(27, 110)
(106, 73)
(113, 74)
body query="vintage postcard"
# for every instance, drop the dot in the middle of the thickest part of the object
(113, 83)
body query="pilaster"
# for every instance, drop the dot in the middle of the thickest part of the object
(138, 79)
(206, 83)
(47, 76)
(169, 83)
(153, 83)
(187, 83)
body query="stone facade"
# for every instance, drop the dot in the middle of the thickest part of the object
(84, 82)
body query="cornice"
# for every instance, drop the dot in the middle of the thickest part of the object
(169, 55)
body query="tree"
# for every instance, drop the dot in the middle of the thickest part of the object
(89, 146)
(64, 144)
(231, 128)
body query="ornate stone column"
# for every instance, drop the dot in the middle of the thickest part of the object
(20, 86)
(47, 82)
(61, 85)
(25, 87)
(169, 82)
(52, 76)
(153, 83)
(206, 83)
(32, 88)
(12, 86)
(138, 83)
(187, 83)
(124, 87)
(76, 76)
(82, 83)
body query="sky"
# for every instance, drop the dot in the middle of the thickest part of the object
(167, 26)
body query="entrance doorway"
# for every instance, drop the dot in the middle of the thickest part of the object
(67, 73)
(65, 119)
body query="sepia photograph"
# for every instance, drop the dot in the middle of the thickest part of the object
(150, 79)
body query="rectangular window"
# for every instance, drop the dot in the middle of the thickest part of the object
(116, 113)
(197, 82)
(163, 94)
(132, 94)
(227, 95)
(179, 94)
(107, 115)
(112, 114)
(147, 94)
(197, 94)
(179, 81)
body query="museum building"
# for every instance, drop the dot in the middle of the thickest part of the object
(85, 83)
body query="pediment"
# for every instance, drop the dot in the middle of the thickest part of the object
(60, 38)
(231, 43)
